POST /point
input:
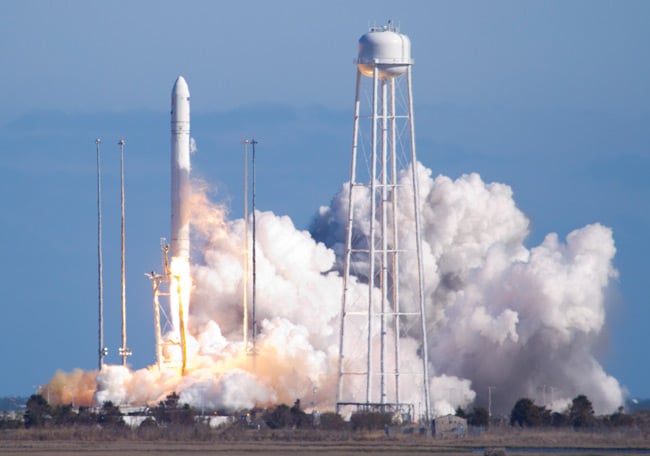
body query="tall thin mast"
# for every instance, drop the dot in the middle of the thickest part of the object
(245, 275)
(253, 142)
(100, 273)
(124, 351)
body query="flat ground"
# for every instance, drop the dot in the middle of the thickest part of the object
(216, 448)
(524, 442)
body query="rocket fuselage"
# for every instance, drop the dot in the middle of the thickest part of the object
(180, 170)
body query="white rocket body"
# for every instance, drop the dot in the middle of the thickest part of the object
(180, 281)
(180, 170)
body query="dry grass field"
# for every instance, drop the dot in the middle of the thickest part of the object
(122, 448)
(98, 442)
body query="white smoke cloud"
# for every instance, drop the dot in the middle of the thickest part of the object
(449, 392)
(499, 313)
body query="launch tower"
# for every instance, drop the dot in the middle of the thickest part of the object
(372, 241)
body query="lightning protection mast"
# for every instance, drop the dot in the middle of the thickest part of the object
(373, 243)
(103, 351)
(254, 142)
(245, 142)
(123, 351)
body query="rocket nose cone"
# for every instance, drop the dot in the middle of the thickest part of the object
(180, 88)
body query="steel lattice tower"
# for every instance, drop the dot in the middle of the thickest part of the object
(372, 251)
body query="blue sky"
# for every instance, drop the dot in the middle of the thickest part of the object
(551, 98)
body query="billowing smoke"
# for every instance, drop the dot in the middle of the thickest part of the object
(499, 314)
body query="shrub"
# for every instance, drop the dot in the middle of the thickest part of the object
(370, 420)
(330, 421)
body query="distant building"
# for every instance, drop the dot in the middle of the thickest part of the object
(449, 426)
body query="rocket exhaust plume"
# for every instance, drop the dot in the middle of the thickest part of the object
(179, 274)
(499, 313)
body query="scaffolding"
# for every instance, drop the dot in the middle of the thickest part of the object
(160, 287)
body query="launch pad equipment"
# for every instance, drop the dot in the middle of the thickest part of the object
(175, 272)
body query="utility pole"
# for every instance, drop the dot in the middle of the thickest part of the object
(490, 389)
(552, 388)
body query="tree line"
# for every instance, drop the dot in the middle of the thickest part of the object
(579, 414)
(525, 413)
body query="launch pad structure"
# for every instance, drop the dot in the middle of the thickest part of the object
(372, 241)
(160, 286)
(251, 347)
(175, 282)
(123, 350)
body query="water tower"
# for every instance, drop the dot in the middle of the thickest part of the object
(383, 142)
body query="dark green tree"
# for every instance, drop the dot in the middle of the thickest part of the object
(298, 417)
(526, 413)
(171, 401)
(479, 417)
(162, 413)
(620, 418)
(170, 411)
(283, 416)
(110, 415)
(581, 412)
(278, 417)
(331, 421)
(559, 419)
(184, 415)
(460, 412)
(63, 415)
(370, 420)
(86, 416)
(37, 411)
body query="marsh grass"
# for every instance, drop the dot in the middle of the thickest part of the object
(236, 440)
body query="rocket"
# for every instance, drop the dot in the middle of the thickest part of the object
(179, 274)
(180, 170)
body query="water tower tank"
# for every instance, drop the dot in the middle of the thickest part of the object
(386, 48)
